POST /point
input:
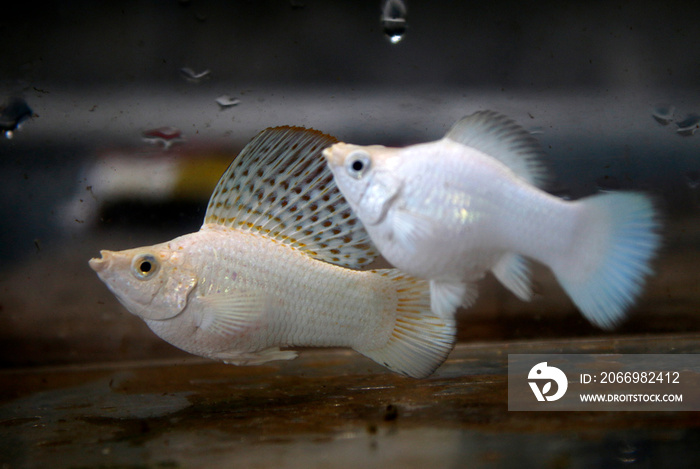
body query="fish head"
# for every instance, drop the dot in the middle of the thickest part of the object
(365, 175)
(151, 282)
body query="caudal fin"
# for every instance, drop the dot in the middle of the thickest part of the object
(420, 341)
(615, 239)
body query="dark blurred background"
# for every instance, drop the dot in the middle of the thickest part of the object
(527, 46)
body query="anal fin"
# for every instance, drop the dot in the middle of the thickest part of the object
(513, 272)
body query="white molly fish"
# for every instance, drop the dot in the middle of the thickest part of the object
(453, 209)
(270, 268)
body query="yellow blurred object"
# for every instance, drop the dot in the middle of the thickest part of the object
(197, 177)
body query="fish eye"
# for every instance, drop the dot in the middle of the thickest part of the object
(144, 266)
(357, 164)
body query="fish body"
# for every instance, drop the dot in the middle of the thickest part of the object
(454, 209)
(269, 269)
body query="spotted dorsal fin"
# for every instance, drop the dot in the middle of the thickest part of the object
(500, 137)
(279, 186)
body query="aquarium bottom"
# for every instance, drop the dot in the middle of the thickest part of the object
(328, 408)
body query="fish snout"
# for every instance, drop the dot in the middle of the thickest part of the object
(98, 264)
(335, 154)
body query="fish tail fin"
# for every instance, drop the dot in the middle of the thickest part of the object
(614, 243)
(420, 340)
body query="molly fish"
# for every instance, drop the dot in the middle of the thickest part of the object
(273, 267)
(472, 202)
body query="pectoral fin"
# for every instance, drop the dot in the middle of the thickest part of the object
(410, 229)
(233, 311)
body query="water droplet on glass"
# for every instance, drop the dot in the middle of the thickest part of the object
(226, 101)
(663, 114)
(194, 77)
(394, 19)
(13, 114)
(689, 125)
(692, 177)
(166, 136)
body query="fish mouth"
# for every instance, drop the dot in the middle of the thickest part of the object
(98, 264)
